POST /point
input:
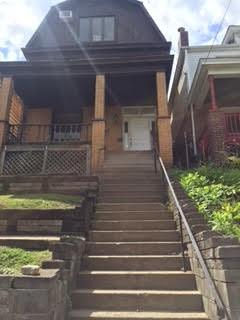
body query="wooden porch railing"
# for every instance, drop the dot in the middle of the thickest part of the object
(47, 134)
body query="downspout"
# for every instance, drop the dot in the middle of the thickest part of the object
(193, 130)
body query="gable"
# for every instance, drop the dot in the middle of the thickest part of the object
(133, 24)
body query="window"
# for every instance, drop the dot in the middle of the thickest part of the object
(109, 26)
(85, 29)
(97, 29)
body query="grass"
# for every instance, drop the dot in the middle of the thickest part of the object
(216, 193)
(11, 259)
(38, 201)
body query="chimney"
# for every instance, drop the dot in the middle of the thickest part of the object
(183, 39)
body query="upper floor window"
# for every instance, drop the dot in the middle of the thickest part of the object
(96, 29)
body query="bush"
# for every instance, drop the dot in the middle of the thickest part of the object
(216, 193)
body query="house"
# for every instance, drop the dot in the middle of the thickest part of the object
(94, 81)
(205, 98)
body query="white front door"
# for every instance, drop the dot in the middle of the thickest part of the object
(139, 134)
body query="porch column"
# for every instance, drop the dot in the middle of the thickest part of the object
(163, 121)
(98, 125)
(6, 92)
(216, 124)
(211, 82)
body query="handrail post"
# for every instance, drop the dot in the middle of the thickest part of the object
(182, 243)
(155, 160)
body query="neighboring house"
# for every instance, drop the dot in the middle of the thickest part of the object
(95, 81)
(205, 98)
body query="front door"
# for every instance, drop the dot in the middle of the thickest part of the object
(139, 134)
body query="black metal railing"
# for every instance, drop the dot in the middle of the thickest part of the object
(53, 133)
(222, 311)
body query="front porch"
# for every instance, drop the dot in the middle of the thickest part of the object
(55, 125)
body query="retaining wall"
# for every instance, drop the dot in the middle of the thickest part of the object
(221, 254)
(44, 297)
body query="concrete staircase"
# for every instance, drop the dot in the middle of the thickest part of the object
(133, 266)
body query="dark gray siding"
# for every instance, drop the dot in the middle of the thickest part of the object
(133, 25)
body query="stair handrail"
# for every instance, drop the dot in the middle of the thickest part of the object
(222, 310)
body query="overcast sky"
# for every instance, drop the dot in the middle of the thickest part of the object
(20, 18)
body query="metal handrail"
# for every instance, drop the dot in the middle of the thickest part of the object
(222, 311)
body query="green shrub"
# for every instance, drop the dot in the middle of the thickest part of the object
(227, 219)
(216, 193)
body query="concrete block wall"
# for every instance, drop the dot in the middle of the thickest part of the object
(221, 254)
(62, 184)
(45, 297)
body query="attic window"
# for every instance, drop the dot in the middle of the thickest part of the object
(65, 14)
(95, 29)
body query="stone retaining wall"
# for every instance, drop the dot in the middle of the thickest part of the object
(222, 256)
(45, 297)
(66, 184)
(48, 221)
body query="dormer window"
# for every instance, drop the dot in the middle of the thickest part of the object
(95, 29)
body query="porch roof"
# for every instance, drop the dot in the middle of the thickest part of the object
(220, 68)
(142, 64)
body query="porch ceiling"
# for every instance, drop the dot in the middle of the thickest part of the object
(227, 92)
(71, 93)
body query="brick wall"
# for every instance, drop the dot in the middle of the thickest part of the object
(114, 129)
(163, 121)
(216, 131)
(6, 92)
(16, 110)
(98, 126)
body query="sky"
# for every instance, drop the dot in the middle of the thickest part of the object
(20, 18)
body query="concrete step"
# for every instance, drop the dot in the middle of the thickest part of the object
(124, 179)
(133, 215)
(137, 280)
(131, 206)
(131, 187)
(133, 248)
(141, 174)
(134, 198)
(110, 167)
(134, 315)
(134, 235)
(133, 225)
(142, 300)
(134, 263)
(130, 193)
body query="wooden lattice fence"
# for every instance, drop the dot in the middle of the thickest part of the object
(45, 160)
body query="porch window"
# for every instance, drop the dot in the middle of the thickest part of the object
(95, 29)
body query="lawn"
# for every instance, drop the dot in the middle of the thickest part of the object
(11, 259)
(39, 201)
(216, 193)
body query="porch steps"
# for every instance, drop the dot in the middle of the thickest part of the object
(133, 225)
(133, 315)
(132, 268)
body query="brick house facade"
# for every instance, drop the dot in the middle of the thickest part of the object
(204, 99)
